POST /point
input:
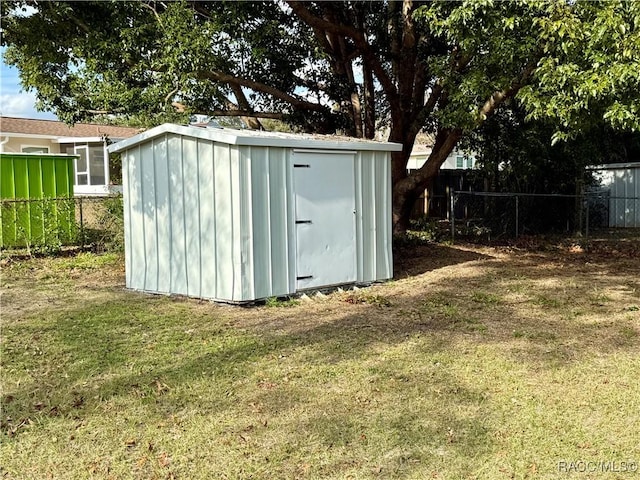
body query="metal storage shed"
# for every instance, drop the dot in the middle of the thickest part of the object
(37, 205)
(622, 183)
(236, 215)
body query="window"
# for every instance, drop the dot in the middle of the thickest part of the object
(35, 149)
(469, 162)
(459, 161)
(96, 165)
(90, 166)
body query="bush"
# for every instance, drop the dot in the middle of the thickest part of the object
(111, 218)
(103, 224)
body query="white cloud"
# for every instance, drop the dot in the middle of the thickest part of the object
(22, 105)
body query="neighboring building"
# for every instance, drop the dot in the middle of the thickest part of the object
(453, 175)
(619, 187)
(455, 161)
(88, 141)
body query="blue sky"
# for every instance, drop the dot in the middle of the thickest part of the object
(14, 102)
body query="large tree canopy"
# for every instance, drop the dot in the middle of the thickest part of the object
(441, 67)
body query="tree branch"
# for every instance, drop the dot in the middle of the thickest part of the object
(155, 13)
(244, 104)
(358, 38)
(245, 113)
(446, 141)
(500, 96)
(261, 87)
(427, 108)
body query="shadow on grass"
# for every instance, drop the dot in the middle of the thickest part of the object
(423, 258)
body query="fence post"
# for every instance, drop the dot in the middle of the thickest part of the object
(452, 216)
(517, 215)
(586, 220)
(81, 224)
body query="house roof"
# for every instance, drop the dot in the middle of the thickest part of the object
(9, 125)
(258, 138)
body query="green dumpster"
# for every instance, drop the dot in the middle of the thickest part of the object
(36, 200)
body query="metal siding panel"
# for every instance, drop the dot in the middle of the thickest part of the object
(632, 182)
(359, 221)
(7, 177)
(636, 182)
(270, 232)
(34, 172)
(21, 184)
(245, 188)
(368, 218)
(192, 215)
(136, 239)
(628, 207)
(223, 219)
(177, 216)
(373, 190)
(291, 216)
(613, 201)
(237, 239)
(624, 189)
(384, 237)
(64, 183)
(163, 214)
(126, 200)
(280, 221)
(207, 219)
(147, 167)
(36, 217)
(260, 208)
(7, 211)
(48, 177)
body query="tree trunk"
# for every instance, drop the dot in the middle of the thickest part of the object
(407, 188)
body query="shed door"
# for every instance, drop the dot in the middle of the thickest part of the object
(324, 192)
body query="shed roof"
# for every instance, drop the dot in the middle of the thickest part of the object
(9, 125)
(614, 166)
(258, 138)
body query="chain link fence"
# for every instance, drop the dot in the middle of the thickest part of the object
(48, 225)
(493, 216)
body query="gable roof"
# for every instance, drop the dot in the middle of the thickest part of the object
(52, 128)
(258, 138)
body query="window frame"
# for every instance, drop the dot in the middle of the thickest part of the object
(44, 147)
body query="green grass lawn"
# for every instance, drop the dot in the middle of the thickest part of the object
(472, 363)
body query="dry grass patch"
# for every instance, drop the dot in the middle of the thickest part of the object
(473, 363)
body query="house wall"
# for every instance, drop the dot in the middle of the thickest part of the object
(212, 220)
(416, 160)
(15, 144)
(95, 183)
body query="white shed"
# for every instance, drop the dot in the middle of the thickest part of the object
(237, 215)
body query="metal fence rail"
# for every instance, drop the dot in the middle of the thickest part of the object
(48, 224)
(495, 215)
